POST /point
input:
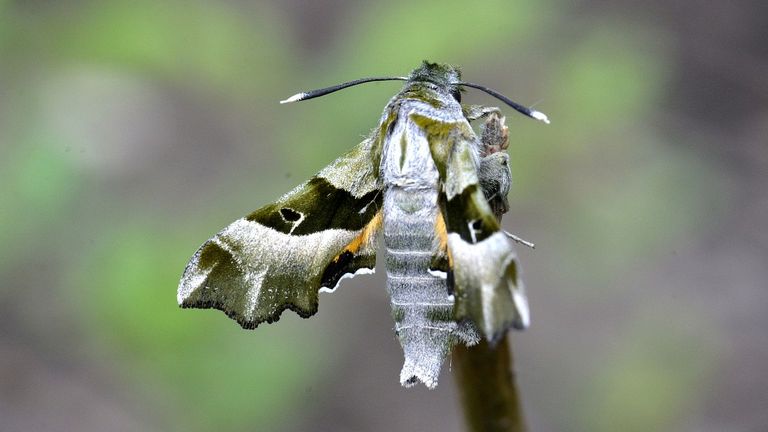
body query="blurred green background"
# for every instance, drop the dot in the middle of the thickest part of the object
(131, 131)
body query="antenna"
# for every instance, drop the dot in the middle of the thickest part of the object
(324, 91)
(532, 113)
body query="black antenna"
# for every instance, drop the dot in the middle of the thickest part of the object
(532, 113)
(324, 91)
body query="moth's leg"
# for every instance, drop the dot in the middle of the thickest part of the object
(495, 181)
(494, 175)
(474, 112)
(520, 240)
(495, 178)
(495, 134)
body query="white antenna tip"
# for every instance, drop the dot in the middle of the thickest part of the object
(294, 98)
(540, 116)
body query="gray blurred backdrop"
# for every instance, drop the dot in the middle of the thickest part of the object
(132, 130)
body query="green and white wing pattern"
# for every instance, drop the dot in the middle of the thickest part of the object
(488, 289)
(281, 255)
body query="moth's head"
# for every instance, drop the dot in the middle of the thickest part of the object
(437, 73)
(445, 76)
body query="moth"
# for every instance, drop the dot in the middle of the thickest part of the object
(425, 182)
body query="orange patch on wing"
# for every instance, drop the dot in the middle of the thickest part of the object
(366, 235)
(442, 236)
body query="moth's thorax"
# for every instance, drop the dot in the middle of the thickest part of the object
(437, 96)
(410, 179)
(407, 159)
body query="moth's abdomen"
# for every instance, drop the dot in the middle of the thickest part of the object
(421, 305)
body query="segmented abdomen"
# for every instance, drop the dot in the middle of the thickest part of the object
(421, 305)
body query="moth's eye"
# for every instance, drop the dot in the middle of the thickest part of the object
(456, 94)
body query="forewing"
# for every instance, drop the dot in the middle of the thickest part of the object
(487, 283)
(281, 255)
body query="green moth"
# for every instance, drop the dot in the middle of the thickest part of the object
(426, 182)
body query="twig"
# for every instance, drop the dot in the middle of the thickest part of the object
(484, 373)
(487, 386)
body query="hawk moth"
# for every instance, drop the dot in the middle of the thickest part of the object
(424, 180)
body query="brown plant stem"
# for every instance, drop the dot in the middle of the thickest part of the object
(487, 388)
(484, 373)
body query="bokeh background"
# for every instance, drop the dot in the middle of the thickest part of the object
(132, 130)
